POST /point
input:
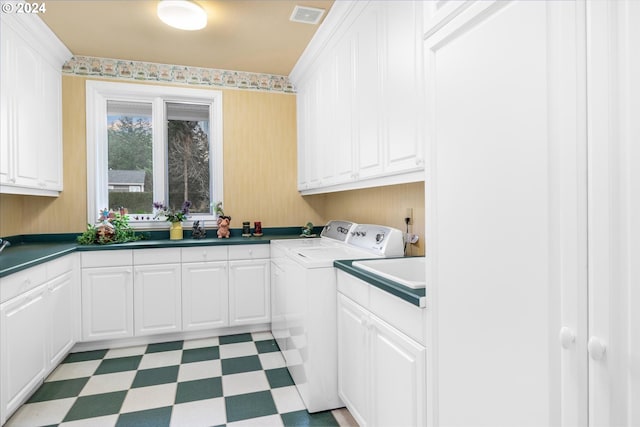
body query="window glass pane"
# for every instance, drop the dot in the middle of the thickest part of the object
(188, 156)
(130, 160)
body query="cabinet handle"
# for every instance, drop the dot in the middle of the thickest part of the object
(596, 348)
(250, 252)
(567, 337)
(204, 254)
(12, 180)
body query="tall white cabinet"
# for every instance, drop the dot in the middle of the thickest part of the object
(530, 194)
(30, 106)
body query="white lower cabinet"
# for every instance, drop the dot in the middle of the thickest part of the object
(142, 292)
(397, 373)
(205, 288)
(353, 372)
(23, 347)
(63, 316)
(157, 299)
(157, 291)
(107, 303)
(205, 295)
(249, 292)
(381, 365)
(38, 327)
(107, 295)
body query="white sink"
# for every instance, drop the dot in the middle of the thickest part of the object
(409, 272)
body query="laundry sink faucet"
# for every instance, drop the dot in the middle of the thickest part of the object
(4, 243)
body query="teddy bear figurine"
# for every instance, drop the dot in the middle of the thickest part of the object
(223, 226)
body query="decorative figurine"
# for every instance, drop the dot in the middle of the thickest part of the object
(307, 230)
(198, 231)
(223, 227)
(223, 222)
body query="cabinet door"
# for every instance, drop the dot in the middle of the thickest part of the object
(50, 143)
(402, 85)
(353, 359)
(28, 78)
(398, 379)
(205, 295)
(367, 89)
(62, 310)
(614, 209)
(249, 292)
(23, 347)
(506, 191)
(6, 103)
(157, 299)
(107, 303)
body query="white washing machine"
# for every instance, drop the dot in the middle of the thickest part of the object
(304, 302)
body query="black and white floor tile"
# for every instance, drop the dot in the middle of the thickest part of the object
(235, 380)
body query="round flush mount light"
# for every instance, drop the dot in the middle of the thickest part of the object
(182, 14)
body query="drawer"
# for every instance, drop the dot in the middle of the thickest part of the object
(18, 283)
(206, 253)
(248, 251)
(156, 256)
(59, 266)
(106, 258)
(353, 288)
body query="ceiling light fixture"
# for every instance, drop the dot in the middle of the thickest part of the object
(182, 14)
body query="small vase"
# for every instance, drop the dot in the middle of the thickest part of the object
(175, 231)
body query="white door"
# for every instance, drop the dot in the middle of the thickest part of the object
(23, 347)
(107, 303)
(157, 299)
(249, 292)
(63, 317)
(205, 295)
(506, 222)
(353, 359)
(613, 72)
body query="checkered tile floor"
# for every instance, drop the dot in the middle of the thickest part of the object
(236, 380)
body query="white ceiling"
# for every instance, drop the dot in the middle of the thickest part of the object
(241, 35)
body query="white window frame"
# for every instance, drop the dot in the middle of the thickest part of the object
(97, 95)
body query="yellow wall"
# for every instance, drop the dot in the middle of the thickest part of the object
(259, 174)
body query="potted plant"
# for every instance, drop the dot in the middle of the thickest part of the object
(174, 216)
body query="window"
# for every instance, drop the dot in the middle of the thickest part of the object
(153, 143)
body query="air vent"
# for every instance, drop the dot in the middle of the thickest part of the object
(306, 15)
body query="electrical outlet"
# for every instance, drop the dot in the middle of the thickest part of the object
(408, 216)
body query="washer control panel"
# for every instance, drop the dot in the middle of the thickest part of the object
(337, 230)
(382, 240)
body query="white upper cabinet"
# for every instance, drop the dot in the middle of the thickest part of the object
(31, 107)
(360, 96)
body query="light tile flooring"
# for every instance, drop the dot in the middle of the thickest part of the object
(235, 380)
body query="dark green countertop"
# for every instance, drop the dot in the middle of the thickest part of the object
(30, 250)
(414, 296)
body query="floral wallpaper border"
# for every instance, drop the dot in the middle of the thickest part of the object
(149, 71)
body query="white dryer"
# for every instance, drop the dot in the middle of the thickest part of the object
(304, 302)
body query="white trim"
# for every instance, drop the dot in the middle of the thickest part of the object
(97, 94)
(37, 34)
